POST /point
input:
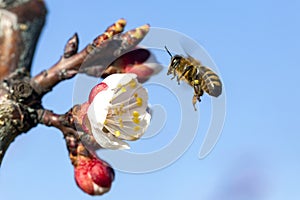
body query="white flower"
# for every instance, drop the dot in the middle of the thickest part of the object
(118, 111)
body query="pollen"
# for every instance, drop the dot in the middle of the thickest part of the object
(135, 114)
(117, 133)
(121, 123)
(136, 128)
(136, 120)
(196, 81)
(139, 101)
(117, 112)
(132, 84)
(123, 89)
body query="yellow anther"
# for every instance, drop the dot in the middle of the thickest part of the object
(136, 120)
(136, 128)
(135, 114)
(196, 81)
(132, 84)
(117, 133)
(116, 111)
(123, 89)
(139, 101)
(121, 123)
(105, 122)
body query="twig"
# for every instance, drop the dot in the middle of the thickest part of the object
(105, 47)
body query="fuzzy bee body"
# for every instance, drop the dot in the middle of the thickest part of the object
(201, 78)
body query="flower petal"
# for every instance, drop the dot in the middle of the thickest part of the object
(98, 88)
(119, 112)
(139, 61)
(98, 109)
(107, 140)
(118, 79)
(146, 69)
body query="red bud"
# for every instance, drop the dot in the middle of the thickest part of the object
(98, 88)
(93, 176)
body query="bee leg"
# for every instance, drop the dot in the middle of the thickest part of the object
(194, 102)
(170, 71)
(186, 69)
(174, 74)
(178, 80)
(197, 93)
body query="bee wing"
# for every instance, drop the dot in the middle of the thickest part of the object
(189, 47)
(193, 61)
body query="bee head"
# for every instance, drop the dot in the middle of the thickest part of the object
(175, 61)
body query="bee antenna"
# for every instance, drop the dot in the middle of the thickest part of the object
(168, 51)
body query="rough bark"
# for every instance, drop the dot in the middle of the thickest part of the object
(20, 25)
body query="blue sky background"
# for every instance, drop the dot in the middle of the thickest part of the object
(255, 45)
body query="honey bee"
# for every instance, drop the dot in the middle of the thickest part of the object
(201, 78)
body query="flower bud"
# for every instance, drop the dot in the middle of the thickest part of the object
(93, 175)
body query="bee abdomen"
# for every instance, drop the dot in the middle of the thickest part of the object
(211, 82)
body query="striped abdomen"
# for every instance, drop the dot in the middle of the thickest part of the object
(210, 81)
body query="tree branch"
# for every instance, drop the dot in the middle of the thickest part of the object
(18, 104)
(20, 25)
(101, 52)
(21, 22)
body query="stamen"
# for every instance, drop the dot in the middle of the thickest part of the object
(136, 120)
(135, 114)
(139, 101)
(121, 123)
(136, 128)
(132, 84)
(123, 89)
(118, 110)
(117, 133)
(125, 101)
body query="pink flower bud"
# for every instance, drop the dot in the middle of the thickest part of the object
(98, 88)
(138, 61)
(93, 175)
(144, 70)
